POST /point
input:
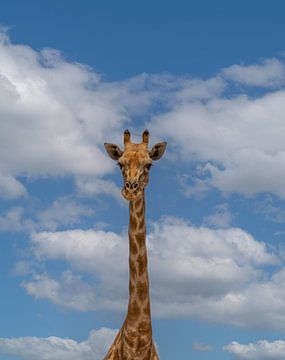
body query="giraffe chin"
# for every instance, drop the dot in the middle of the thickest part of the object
(131, 196)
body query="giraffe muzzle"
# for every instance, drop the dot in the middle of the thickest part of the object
(131, 190)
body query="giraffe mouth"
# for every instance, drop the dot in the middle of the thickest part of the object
(131, 195)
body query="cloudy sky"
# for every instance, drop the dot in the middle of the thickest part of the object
(207, 77)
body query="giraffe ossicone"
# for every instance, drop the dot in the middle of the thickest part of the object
(134, 339)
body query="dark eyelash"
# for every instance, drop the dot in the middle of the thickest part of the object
(120, 165)
(148, 166)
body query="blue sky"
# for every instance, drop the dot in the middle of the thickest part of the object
(207, 77)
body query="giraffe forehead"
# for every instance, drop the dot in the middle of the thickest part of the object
(135, 155)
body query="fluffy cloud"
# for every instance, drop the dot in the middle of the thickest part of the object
(213, 274)
(103, 254)
(47, 112)
(94, 186)
(236, 144)
(10, 188)
(202, 261)
(55, 348)
(86, 250)
(56, 115)
(62, 213)
(68, 290)
(262, 350)
(270, 73)
(259, 305)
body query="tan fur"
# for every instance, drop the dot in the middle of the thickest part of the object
(134, 339)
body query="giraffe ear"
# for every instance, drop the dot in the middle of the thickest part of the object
(113, 150)
(158, 150)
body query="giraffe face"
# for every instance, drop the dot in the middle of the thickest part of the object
(135, 163)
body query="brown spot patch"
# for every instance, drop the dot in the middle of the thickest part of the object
(133, 246)
(133, 310)
(146, 309)
(140, 213)
(144, 326)
(142, 264)
(138, 204)
(142, 290)
(131, 286)
(117, 354)
(142, 342)
(130, 342)
(140, 237)
(132, 264)
(133, 222)
(141, 224)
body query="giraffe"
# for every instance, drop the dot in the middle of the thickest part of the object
(134, 339)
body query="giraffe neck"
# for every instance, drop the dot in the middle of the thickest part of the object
(138, 317)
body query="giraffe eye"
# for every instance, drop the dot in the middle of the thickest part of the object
(148, 166)
(120, 165)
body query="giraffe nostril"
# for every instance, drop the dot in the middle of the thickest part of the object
(132, 186)
(135, 185)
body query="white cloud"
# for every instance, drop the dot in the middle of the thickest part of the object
(62, 212)
(59, 114)
(47, 108)
(86, 250)
(69, 291)
(55, 348)
(95, 252)
(217, 275)
(10, 188)
(236, 144)
(199, 90)
(55, 115)
(259, 305)
(270, 73)
(95, 186)
(187, 261)
(262, 350)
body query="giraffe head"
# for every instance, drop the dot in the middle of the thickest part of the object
(135, 162)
